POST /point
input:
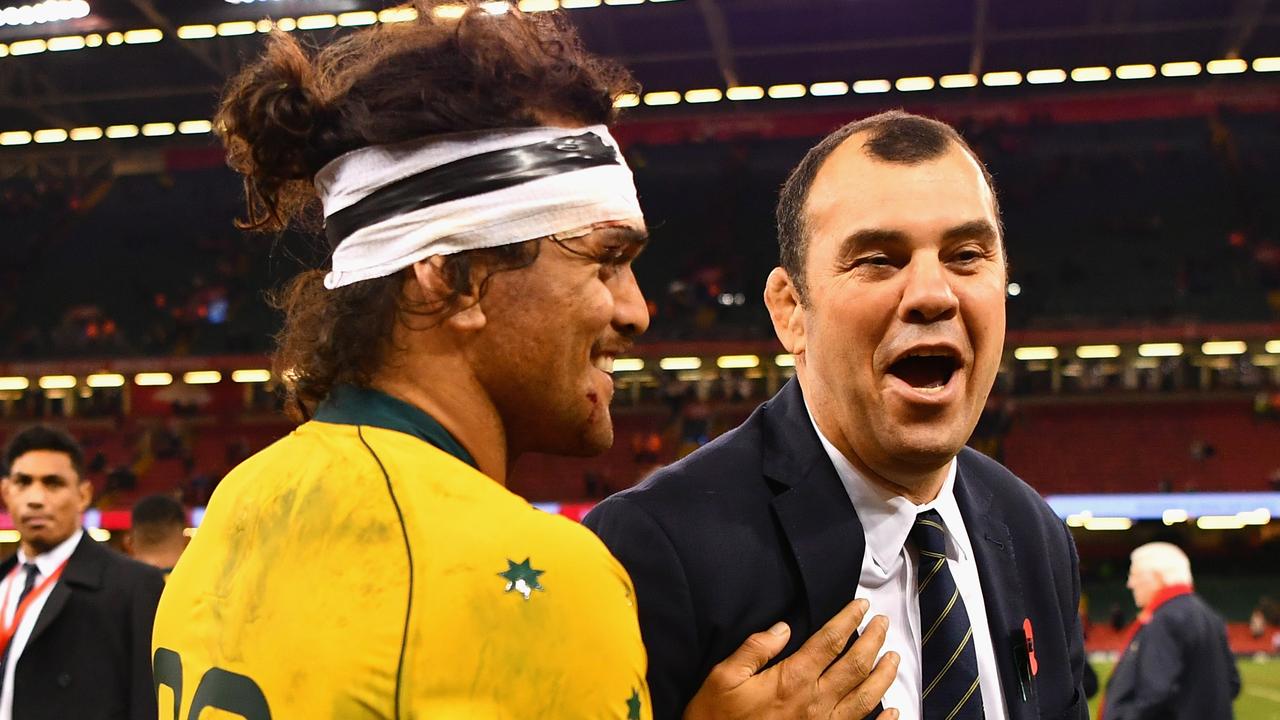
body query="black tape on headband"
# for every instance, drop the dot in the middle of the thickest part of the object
(471, 176)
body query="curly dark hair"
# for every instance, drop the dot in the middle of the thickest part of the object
(286, 115)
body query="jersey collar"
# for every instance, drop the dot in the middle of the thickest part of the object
(352, 405)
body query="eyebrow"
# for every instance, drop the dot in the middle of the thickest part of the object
(626, 234)
(979, 230)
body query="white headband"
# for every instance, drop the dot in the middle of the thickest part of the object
(559, 198)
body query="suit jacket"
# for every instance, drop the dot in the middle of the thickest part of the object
(756, 527)
(89, 654)
(1177, 667)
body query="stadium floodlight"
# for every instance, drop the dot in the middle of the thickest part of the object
(1266, 64)
(914, 84)
(1078, 520)
(99, 534)
(50, 135)
(152, 379)
(1173, 516)
(680, 363)
(964, 80)
(828, 89)
(159, 129)
(357, 18)
(288, 24)
(1047, 76)
(703, 95)
(1014, 289)
(10, 536)
(628, 364)
(321, 22)
(1272, 346)
(398, 15)
(14, 383)
(65, 43)
(577, 4)
(195, 127)
(623, 2)
(15, 137)
(1155, 350)
(1227, 66)
(532, 6)
(1098, 352)
(744, 92)
(237, 27)
(867, 87)
(115, 38)
(1220, 522)
(1090, 74)
(784, 360)
(202, 377)
(1108, 523)
(81, 134)
(257, 375)
(1036, 352)
(44, 12)
(1224, 347)
(665, 97)
(787, 91)
(1261, 516)
(143, 36)
(197, 32)
(117, 132)
(105, 380)
(1136, 72)
(1003, 78)
(737, 362)
(1180, 69)
(28, 47)
(57, 382)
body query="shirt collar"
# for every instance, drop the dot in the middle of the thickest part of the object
(886, 517)
(49, 561)
(352, 405)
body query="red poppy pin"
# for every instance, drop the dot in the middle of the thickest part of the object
(1031, 645)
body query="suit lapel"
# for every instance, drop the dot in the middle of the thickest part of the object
(1002, 593)
(812, 507)
(84, 570)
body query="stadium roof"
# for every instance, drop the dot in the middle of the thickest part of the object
(129, 63)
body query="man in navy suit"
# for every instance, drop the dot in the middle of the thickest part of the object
(853, 481)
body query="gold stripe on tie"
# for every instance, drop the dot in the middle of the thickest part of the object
(932, 554)
(963, 700)
(930, 523)
(938, 623)
(938, 566)
(950, 662)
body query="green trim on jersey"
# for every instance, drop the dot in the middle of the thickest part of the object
(352, 405)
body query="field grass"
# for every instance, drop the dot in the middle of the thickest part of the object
(1259, 693)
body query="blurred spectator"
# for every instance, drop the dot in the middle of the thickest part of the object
(157, 536)
(1176, 663)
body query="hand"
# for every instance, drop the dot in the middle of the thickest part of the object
(808, 684)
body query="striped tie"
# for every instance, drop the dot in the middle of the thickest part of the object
(948, 662)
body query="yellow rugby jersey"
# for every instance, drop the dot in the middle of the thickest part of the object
(362, 568)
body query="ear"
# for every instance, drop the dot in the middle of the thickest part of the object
(6, 486)
(785, 310)
(429, 286)
(86, 494)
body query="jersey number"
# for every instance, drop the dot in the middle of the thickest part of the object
(219, 690)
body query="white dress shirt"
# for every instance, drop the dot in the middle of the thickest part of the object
(10, 589)
(888, 581)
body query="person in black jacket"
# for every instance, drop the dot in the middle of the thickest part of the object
(854, 480)
(1177, 664)
(80, 613)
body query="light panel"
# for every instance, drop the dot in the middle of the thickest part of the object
(1047, 76)
(1090, 74)
(1180, 69)
(867, 87)
(737, 362)
(787, 91)
(914, 84)
(14, 383)
(680, 363)
(784, 360)
(1136, 72)
(665, 97)
(1036, 352)
(152, 379)
(105, 380)
(1097, 352)
(202, 377)
(1168, 349)
(744, 92)
(963, 80)
(829, 89)
(1226, 66)
(703, 95)
(57, 382)
(257, 375)
(628, 364)
(1224, 347)
(1004, 78)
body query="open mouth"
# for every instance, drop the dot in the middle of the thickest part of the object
(926, 370)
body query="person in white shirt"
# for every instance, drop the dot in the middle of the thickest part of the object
(75, 617)
(854, 480)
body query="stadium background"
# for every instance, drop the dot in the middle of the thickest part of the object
(1135, 145)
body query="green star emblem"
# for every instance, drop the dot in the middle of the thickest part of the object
(633, 706)
(522, 578)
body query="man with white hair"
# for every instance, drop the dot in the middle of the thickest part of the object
(1177, 663)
